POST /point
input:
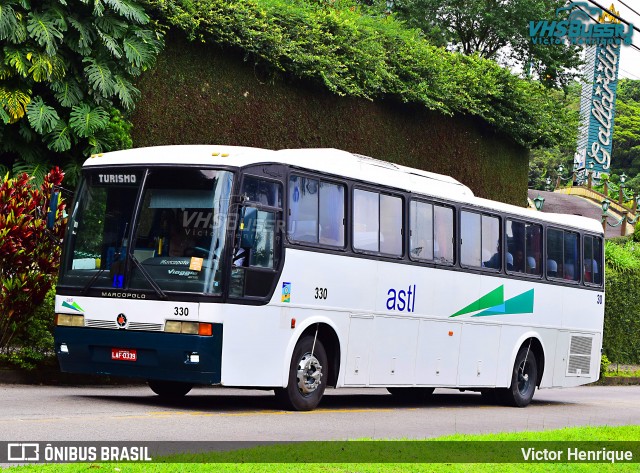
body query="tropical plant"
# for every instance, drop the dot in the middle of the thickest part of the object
(29, 253)
(66, 66)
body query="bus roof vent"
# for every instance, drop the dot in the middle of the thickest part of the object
(375, 162)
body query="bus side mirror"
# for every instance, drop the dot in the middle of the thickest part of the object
(53, 209)
(248, 227)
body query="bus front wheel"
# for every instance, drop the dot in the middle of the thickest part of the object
(523, 379)
(306, 384)
(169, 389)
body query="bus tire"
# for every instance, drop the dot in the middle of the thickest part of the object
(523, 379)
(306, 372)
(171, 390)
(412, 395)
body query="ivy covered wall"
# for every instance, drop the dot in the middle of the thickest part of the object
(199, 93)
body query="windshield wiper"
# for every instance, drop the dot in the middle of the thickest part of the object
(148, 277)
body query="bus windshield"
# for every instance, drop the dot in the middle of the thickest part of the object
(177, 238)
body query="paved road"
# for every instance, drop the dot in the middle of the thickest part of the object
(46, 413)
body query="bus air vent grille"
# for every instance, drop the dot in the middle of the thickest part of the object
(143, 326)
(100, 323)
(580, 355)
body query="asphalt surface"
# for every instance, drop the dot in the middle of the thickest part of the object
(134, 413)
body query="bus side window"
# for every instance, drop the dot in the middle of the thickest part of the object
(443, 230)
(592, 251)
(421, 230)
(316, 211)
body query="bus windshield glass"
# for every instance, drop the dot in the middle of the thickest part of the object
(177, 238)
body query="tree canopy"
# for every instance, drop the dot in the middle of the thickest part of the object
(626, 129)
(495, 29)
(66, 73)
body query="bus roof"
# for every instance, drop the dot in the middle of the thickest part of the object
(335, 162)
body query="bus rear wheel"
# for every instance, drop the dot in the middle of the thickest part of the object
(306, 386)
(171, 390)
(523, 379)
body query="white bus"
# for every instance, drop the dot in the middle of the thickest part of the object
(294, 270)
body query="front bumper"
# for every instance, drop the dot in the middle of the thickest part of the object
(160, 356)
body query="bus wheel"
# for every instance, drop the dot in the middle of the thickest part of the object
(523, 379)
(306, 386)
(169, 389)
(413, 395)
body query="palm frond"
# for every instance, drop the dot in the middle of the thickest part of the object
(59, 140)
(85, 121)
(67, 92)
(129, 10)
(45, 29)
(42, 117)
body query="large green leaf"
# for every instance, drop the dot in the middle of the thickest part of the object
(45, 29)
(45, 67)
(85, 37)
(126, 92)
(8, 21)
(139, 52)
(4, 116)
(67, 92)
(85, 121)
(111, 44)
(42, 117)
(17, 58)
(130, 10)
(37, 169)
(59, 140)
(99, 75)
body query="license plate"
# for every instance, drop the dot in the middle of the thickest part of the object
(123, 355)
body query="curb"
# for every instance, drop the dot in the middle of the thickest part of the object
(55, 377)
(620, 381)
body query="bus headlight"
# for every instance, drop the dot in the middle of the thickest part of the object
(69, 320)
(189, 328)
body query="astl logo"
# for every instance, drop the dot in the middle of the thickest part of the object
(402, 300)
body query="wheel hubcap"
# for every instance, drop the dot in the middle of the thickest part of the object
(523, 379)
(309, 374)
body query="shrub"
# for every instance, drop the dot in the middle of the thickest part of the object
(621, 340)
(29, 253)
(353, 53)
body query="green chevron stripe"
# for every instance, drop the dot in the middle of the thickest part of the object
(521, 304)
(492, 299)
(73, 306)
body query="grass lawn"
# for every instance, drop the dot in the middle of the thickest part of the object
(373, 455)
